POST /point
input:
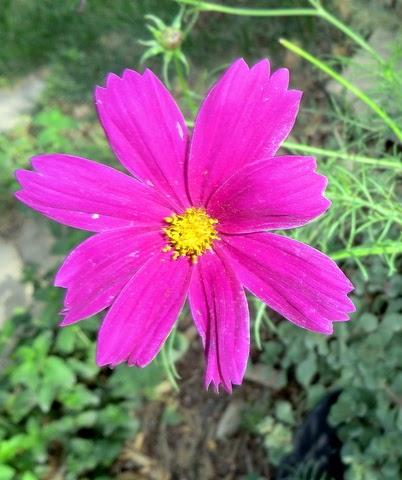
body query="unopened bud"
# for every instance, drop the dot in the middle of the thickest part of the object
(171, 38)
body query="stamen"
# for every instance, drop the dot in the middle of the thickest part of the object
(190, 234)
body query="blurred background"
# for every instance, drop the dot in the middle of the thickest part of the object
(63, 418)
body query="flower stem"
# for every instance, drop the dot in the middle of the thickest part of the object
(180, 76)
(380, 163)
(184, 87)
(166, 363)
(257, 324)
(359, 40)
(379, 249)
(345, 83)
(249, 12)
(387, 213)
(317, 11)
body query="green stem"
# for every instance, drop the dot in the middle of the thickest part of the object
(380, 249)
(249, 12)
(325, 15)
(345, 83)
(80, 333)
(168, 370)
(343, 155)
(298, 147)
(180, 76)
(317, 11)
(184, 87)
(191, 23)
(257, 325)
(387, 213)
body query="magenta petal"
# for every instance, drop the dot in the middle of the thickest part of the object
(245, 118)
(143, 315)
(277, 193)
(299, 282)
(88, 195)
(97, 270)
(146, 130)
(219, 309)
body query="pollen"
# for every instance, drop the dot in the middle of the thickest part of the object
(190, 234)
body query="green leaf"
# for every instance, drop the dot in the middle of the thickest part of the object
(393, 322)
(284, 412)
(399, 420)
(79, 397)
(6, 472)
(29, 476)
(86, 370)
(58, 373)
(314, 394)
(66, 340)
(87, 419)
(15, 445)
(26, 374)
(131, 382)
(54, 120)
(306, 370)
(44, 397)
(368, 322)
(151, 52)
(57, 376)
(19, 404)
(113, 418)
(42, 343)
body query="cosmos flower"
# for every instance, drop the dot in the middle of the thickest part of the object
(192, 221)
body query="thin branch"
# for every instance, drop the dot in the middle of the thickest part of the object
(250, 12)
(380, 163)
(363, 251)
(345, 83)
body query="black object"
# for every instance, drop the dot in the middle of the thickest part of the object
(316, 453)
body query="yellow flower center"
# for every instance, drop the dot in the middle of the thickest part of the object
(190, 234)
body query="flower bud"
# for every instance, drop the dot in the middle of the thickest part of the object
(171, 38)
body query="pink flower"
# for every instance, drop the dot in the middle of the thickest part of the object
(191, 221)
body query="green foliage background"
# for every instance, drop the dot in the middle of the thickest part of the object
(58, 412)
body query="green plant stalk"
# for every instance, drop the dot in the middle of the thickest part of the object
(388, 213)
(191, 23)
(257, 325)
(297, 147)
(325, 15)
(168, 369)
(345, 83)
(318, 11)
(180, 76)
(300, 147)
(83, 337)
(249, 12)
(380, 249)
(184, 87)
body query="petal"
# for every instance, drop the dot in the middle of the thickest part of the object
(88, 195)
(277, 193)
(97, 270)
(143, 315)
(245, 117)
(299, 282)
(146, 131)
(219, 309)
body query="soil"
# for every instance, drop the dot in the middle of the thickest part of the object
(191, 449)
